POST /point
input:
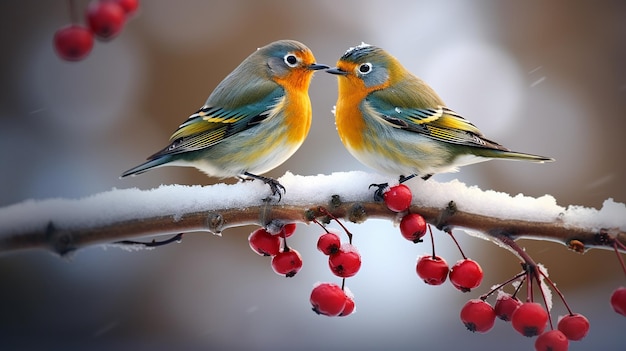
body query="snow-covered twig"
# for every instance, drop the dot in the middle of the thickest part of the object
(64, 225)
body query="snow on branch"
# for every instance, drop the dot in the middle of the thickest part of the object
(64, 225)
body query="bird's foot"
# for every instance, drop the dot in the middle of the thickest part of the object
(274, 185)
(378, 193)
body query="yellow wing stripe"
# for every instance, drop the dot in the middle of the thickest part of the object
(207, 123)
(432, 118)
(445, 118)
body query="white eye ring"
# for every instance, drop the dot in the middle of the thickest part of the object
(364, 68)
(291, 60)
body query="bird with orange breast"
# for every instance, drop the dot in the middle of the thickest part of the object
(253, 121)
(393, 122)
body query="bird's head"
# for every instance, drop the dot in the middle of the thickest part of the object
(367, 67)
(287, 62)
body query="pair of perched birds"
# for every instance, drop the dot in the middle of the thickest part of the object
(386, 117)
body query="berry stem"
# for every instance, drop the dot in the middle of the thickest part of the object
(619, 256)
(498, 287)
(314, 220)
(456, 243)
(519, 286)
(536, 274)
(561, 296)
(531, 267)
(73, 12)
(529, 284)
(432, 240)
(325, 212)
(618, 245)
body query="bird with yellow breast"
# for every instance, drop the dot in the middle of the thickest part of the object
(393, 122)
(253, 121)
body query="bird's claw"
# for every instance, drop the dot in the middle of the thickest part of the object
(274, 185)
(276, 188)
(378, 193)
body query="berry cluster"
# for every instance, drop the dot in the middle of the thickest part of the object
(285, 260)
(344, 261)
(466, 274)
(527, 317)
(105, 19)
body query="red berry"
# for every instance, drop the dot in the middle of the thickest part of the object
(506, 305)
(413, 227)
(346, 262)
(264, 243)
(329, 243)
(618, 300)
(398, 198)
(287, 230)
(552, 340)
(348, 309)
(73, 42)
(287, 263)
(466, 275)
(478, 316)
(328, 299)
(574, 326)
(129, 6)
(530, 319)
(432, 269)
(105, 18)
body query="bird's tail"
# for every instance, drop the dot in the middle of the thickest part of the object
(148, 165)
(512, 155)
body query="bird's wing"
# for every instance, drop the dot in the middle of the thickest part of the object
(440, 123)
(213, 124)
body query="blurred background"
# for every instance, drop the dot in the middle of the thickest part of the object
(539, 77)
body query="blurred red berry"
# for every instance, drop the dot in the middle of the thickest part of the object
(105, 18)
(287, 263)
(346, 262)
(329, 243)
(466, 275)
(574, 326)
(129, 6)
(618, 300)
(398, 198)
(506, 305)
(530, 319)
(433, 270)
(348, 309)
(478, 316)
(264, 243)
(287, 230)
(552, 340)
(328, 299)
(413, 227)
(73, 42)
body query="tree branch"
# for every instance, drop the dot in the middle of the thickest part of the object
(63, 225)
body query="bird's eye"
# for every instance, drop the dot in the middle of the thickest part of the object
(365, 68)
(291, 60)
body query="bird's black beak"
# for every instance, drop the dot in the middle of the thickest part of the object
(336, 71)
(317, 67)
